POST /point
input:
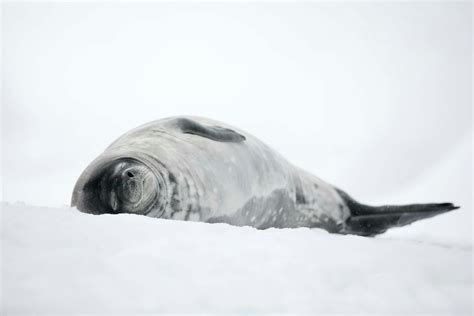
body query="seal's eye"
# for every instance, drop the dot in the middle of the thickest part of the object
(130, 175)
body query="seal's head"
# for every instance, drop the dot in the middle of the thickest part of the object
(122, 185)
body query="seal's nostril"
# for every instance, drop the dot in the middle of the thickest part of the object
(131, 175)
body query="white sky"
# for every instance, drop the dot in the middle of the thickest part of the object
(367, 96)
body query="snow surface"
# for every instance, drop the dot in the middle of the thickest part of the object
(58, 260)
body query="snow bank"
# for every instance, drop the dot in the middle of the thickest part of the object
(58, 260)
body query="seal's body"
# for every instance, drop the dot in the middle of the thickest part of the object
(198, 169)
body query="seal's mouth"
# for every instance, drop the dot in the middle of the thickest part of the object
(121, 185)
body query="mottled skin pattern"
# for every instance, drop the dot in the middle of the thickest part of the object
(235, 181)
(196, 169)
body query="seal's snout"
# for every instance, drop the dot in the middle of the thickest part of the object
(133, 180)
(122, 186)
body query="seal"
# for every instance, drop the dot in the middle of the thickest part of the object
(197, 169)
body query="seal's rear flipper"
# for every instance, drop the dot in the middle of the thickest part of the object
(368, 220)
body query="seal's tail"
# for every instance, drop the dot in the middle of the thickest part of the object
(368, 220)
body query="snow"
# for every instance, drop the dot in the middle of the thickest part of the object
(58, 260)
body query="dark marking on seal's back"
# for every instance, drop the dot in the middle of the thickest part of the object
(300, 197)
(275, 210)
(278, 210)
(216, 133)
